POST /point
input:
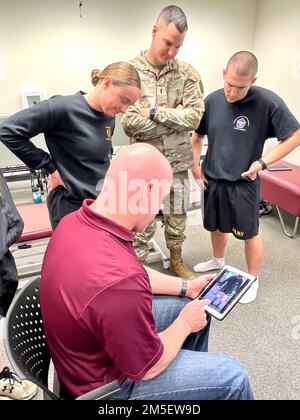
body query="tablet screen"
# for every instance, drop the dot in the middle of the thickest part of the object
(224, 289)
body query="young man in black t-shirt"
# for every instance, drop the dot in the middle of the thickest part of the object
(238, 119)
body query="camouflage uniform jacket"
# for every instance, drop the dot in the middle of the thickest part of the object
(177, 83)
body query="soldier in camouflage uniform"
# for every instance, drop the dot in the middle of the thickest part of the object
(170, 106)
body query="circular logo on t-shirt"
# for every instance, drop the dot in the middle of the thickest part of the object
(241, 123)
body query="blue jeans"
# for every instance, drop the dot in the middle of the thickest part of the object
(194, 374)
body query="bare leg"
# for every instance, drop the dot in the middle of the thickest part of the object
(219, 241)
(254, 252)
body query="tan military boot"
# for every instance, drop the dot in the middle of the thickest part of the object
(176, 264)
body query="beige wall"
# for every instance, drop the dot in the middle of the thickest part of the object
(45, 45)
(277, 45)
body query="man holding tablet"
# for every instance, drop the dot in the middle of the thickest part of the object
(121, 320)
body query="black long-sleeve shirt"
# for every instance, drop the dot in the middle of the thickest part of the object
(78, 138)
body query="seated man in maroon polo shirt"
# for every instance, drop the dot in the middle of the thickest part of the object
(101, 320)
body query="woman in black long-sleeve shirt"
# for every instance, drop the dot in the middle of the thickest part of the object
(78, 131)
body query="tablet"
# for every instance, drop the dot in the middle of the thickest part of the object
(225, 290)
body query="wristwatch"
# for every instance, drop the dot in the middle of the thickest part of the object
(263, 164)
(152, 113)
(184, 287)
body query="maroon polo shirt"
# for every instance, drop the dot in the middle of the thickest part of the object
(97, 304)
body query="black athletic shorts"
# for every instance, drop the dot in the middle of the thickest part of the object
(232, 207)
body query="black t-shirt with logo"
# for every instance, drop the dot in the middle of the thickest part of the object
(237, 131)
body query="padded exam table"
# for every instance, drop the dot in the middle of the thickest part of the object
(35, 236)
(282, 188)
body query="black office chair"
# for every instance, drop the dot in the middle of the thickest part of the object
(27, 348)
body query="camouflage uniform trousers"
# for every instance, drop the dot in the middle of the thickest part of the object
(174, 210)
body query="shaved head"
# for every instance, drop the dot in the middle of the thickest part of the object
(244, 63)
(136, 182)
(140, 161)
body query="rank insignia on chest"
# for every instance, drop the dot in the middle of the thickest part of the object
(108, 133)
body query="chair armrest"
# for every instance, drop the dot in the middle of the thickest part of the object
(102, 392)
